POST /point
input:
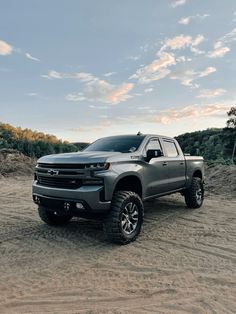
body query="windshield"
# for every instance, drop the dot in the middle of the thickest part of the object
(122, 144)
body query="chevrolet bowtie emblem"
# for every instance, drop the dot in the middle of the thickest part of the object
(53, 172)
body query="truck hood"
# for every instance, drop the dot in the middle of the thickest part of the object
(78, 158)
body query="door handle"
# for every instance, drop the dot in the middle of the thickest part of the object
(164, 163)
(181, 163)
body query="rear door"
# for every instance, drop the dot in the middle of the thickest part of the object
(175, 164)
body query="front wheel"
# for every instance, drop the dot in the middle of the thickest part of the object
(194, 195)
(52, 218)
(124, 221)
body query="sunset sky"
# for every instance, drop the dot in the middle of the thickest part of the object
(86, 69)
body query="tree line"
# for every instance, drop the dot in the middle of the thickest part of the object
(34, 144)
(213, 144)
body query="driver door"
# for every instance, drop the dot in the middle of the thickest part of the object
(156, 171)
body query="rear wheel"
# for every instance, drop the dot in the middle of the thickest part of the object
(52, 218)
(194, 195)
(124, 221)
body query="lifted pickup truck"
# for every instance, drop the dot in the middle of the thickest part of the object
(111, 179)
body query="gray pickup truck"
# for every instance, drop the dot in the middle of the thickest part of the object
(111, 179)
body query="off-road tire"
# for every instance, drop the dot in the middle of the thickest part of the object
(50, 218)
(113, 223)
(194, 195)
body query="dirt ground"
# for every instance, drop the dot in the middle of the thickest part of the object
(183, 262)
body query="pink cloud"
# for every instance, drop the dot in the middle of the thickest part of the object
(155, 70)
(120, 93)
(193, 111)
(5, 48)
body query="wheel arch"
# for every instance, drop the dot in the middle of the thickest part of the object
(129, 182)
(197, 174)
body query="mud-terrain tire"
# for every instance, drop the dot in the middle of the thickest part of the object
(194, 195)
(50, 218)
(124, 221)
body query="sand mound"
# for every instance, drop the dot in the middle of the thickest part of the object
(221, 180)
(12, 162)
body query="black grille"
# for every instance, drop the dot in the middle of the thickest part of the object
(63, 183)
(65, 172)
(61, 166)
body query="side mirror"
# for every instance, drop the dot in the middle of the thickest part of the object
(153, 153)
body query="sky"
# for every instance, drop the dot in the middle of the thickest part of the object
(86, 69)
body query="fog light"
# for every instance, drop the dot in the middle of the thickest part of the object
(66, 206)
(79, 206)
(36, 199)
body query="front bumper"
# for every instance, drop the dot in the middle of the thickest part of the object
(89, 196)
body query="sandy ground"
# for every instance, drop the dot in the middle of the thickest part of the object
(183, 262)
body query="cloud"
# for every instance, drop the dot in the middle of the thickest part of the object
(229, 37)
(207, 71)
(134, 58)
(178, 42)
(29, 56)
(168, 116)
(211, 93)
(146, 115)
(187, 77)
(182, 41)
(198, 40)
(81, 76)
(156, 70)
(98, 107)
(144, 108)
(75, 97)
(178, 3)
(109, 74)
(32, 94)
(102, 91)
(5, 48)
(159, 68)
(53, 75)
(186, 20)
(197, 51)
(119, 93)
(219, 50)
(94, 88)
(190, 112)
(148, 90)
(183, 59)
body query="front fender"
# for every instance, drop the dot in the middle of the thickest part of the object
(118, 172)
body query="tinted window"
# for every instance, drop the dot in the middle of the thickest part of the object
(154, 144)
(171, 149)
(122, 144)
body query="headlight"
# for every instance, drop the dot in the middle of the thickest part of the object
(98, 166)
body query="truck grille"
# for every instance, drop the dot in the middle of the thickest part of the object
(63, 183)
(61, 166)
